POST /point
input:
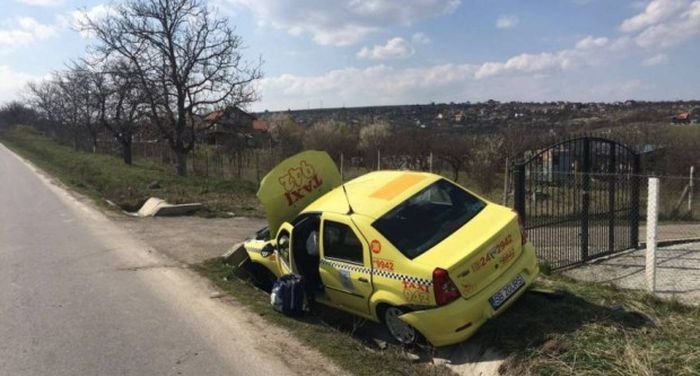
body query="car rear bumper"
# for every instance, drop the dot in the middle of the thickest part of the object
(460, 319)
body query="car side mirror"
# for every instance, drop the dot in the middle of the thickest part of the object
(267, 250)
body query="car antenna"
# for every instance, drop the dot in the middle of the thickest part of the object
(347, 198)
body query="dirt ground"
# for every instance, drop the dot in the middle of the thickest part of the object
(190, 240)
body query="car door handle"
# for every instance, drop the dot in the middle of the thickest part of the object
(363, 280)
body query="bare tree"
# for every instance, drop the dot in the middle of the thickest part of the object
(42, 96)
(120, 102)
(332, 136)
(185, 59)
(14, 113)
(372, 140)
(486, 161)
(455, 150)
(287, 134)
(77, 83)
(55, 99)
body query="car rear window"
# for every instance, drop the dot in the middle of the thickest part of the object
(426, 218)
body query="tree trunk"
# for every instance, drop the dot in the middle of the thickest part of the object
(181, 163)
(94, 143)
(239, 156)
(126, 151)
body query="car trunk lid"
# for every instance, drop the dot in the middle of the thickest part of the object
(480, 251)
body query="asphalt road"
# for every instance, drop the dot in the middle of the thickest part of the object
(78, 297)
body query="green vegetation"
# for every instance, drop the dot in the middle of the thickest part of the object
(104, 177)
(590, 329)
(561, 327)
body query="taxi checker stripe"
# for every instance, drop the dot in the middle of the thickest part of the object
(379, 273)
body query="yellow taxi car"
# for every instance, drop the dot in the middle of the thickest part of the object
(411, 250)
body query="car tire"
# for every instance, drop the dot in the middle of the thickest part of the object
(399, 330)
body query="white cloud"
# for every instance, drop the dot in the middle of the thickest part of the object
(658, 59)
(26, 30)
(589, 51)
(342, 22)
(395, 48)
(384, 85)
(590, 42)
(12, 83)
(507, 21)
(673, 32)
(41, 3)
(377, 85)
(655, 12)
(420, 38)
(79, 18)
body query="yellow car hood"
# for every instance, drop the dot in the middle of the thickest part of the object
(295, 183)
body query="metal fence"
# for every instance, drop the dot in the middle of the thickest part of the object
(579, 200)
(675, 258)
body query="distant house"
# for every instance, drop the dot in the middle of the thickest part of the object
(554, 164)
(231, 126)
(682, 118)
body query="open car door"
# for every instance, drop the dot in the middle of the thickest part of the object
(285, 256)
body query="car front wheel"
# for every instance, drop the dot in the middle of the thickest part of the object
(401, 332)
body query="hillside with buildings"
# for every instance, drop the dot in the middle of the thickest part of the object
(488, 117)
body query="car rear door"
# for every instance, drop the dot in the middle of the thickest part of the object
(345, 265)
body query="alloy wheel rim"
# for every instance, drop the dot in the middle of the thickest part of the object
(400, 330)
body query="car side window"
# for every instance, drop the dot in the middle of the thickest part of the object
(283, 247)
(340, 242)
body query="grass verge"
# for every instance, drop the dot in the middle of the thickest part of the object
(561, 327)
(105, 177)
(590, 329)
(330, 332)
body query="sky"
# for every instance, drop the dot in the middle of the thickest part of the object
(347, 53)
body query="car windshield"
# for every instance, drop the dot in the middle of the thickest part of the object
(425, 219)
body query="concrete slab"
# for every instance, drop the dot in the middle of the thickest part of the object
(158, 207)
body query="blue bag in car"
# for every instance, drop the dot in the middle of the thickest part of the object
(287, 295)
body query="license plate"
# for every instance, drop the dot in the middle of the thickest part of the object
(506, 292)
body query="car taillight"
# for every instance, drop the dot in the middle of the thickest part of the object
(445, 289)
(523, 232)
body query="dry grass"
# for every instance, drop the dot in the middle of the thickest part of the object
(589, 329)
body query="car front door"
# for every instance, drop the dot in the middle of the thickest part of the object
(285, 256)
(345, 267)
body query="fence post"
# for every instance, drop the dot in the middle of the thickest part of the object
(636, 181)
(379, 159)
(341, 167)
(652, 217)
(506, 183)
(519, 191)
(611, 196)
(690, 192)
(585, 197)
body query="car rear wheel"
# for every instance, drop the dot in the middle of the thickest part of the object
(401, 332)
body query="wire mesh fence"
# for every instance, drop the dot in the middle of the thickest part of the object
(675, 247)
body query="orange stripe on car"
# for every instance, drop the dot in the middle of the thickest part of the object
(397, 186)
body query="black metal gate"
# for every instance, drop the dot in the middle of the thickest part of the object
(579, 199)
